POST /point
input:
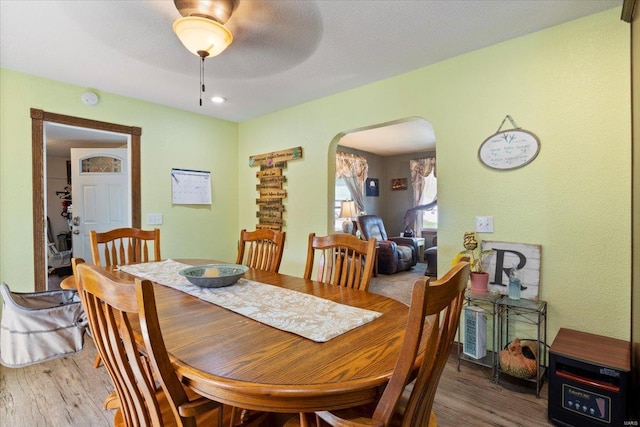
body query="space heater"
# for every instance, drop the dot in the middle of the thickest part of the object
(475, 332)
(589, 380)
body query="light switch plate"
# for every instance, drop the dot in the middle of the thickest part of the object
(154, 219)
(484, 224)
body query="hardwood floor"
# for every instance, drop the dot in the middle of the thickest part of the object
(469, 398)
(62, 392)
(70, 392)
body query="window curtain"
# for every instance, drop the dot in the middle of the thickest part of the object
(423, 176)
(353, 170)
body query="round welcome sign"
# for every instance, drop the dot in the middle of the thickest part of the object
(509, 149)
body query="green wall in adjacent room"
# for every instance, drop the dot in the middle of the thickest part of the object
(390, 205)
(569, 85)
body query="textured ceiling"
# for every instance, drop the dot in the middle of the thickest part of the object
(284, 52)
(389, 139)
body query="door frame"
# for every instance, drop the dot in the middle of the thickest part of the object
(38, 118)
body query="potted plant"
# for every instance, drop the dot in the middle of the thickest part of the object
(479, 276)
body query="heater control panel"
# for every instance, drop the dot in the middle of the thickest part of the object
(586, 403)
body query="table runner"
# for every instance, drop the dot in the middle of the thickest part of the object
(306, 315)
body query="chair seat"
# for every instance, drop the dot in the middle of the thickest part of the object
(68, 283)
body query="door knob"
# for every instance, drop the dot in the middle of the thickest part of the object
(76, 231)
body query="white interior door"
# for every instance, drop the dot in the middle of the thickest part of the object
(100, 194)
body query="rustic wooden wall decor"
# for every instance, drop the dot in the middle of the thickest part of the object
(527, 258)
(271, 194)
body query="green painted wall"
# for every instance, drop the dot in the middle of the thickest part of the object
(170, 138)
(569, 85)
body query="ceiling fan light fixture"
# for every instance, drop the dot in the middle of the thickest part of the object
(200, 35)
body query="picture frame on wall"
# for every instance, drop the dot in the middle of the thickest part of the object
(372, 187)
(399, 184)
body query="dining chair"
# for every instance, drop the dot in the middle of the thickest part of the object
(113, 308)
(435, 307)
(343, 260)
(71, 283)
(261, 249)
(123, 246)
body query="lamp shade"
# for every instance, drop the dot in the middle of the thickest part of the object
(348, 209)
(200, 34)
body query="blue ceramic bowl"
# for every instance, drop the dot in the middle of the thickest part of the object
(214, 275)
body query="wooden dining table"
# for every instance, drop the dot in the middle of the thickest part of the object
(238, 361)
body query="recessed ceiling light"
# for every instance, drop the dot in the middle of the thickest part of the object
(218, 99)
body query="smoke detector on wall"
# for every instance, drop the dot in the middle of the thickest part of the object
(90, 98)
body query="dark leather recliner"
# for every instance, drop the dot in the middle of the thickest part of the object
(395, 254)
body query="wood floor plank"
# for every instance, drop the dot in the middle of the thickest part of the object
(471, 398)
(61, 392)
(70, 392)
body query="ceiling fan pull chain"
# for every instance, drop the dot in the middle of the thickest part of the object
(201, 79)
(203, 54)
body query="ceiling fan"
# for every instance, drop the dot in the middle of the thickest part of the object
(201, 28)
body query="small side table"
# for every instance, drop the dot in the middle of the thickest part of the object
(524, 311)
(489, 303)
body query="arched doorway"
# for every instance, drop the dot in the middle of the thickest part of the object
(395, 139)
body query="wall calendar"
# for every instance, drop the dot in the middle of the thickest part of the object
(190, 187)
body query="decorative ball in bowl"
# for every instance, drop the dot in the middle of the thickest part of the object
(214, 275)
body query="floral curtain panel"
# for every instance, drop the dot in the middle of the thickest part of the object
(423, 177)
(353, 170)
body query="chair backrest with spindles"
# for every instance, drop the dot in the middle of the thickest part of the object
(433, 320)
(123, 246)
(343, 260)
(261, 249)
(439, 302)
(113, 308)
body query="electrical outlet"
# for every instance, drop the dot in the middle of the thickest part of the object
(484, 224)
(154, 219)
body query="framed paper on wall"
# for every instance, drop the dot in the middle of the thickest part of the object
(509, 149)
(190, 187)
(399, 184)
(372, 187)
